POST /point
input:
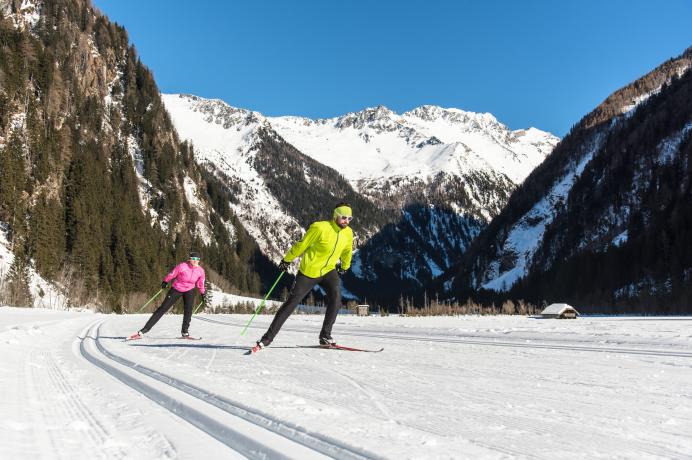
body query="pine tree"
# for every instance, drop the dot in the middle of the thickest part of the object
(18, 290)
(12, 177)
(46, 239)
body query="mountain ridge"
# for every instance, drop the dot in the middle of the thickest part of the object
(589, 199)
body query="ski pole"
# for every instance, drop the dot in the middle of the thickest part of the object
(200, 304)
(262, 304)
(149, 301)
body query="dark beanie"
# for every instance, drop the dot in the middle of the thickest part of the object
(195, 254)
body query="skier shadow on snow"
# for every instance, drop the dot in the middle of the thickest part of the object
(191, 345)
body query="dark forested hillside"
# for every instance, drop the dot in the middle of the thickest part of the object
(617, 238)
(401, 247)
(92, 175)
(284, 170)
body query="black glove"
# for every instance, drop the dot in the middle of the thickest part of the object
(206, 297)
(341, 271)
(164, 285)
(283, 265)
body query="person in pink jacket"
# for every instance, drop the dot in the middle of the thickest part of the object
(186, 276)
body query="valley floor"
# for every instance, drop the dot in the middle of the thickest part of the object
(450, 387)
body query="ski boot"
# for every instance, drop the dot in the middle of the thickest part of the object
(327, 342)
(136, 336)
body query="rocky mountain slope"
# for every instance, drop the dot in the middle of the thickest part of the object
(97, 194)
(604, 221)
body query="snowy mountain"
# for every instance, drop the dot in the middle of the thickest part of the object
(427, 181)
(603, 220)
(377, 144)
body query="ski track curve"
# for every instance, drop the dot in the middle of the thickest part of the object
(59, 399)
(470, 339)
(315, 444)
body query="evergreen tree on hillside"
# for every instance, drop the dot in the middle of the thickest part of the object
(47, 235)
(18, 292)
(13, 179)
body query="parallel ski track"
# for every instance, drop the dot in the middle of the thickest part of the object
(235, 440)
(472, 340)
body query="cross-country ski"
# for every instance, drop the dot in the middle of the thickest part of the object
(257, 348)
(341, 347)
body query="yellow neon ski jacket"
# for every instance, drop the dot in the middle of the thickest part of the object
(323, 244)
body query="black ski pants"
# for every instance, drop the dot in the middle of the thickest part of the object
(302, 286)
(168, 302)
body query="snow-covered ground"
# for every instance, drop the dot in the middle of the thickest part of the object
(452, 387)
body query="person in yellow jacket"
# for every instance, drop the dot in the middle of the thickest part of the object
(324, 245)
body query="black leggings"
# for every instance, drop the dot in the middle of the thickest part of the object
(331, 284)
(171, 297)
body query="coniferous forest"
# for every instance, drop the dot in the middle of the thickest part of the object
(83, 133)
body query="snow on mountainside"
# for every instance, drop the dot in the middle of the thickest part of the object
(379, 144)
(525, 237)
(615, 189)
(379, 152)
(375, 143)
(44, 293)
(224, 137)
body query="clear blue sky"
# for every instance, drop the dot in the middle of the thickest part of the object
(530, 63)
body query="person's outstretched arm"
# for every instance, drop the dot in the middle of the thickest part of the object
(300, 246)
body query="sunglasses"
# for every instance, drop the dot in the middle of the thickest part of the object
(194, 258)
(346, 218)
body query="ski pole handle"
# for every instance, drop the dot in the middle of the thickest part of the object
(258, 309)
(149, 301)
(200, 304)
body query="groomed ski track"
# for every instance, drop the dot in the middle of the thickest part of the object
(493, 388)
(471, 339)
(253, 434)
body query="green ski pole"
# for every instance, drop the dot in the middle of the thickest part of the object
(200, 304)
(149, 301)
(263, 302)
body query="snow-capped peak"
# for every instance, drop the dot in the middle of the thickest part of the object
(379, 116)
(213, 111)
(435, 113)
(379, 143)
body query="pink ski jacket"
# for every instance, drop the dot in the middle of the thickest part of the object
(186, 277)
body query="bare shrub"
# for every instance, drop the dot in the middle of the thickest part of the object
(508, 307)
(469, 307)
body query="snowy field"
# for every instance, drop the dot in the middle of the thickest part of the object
(459, 387)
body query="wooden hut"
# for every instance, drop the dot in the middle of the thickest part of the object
(559, 310)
